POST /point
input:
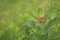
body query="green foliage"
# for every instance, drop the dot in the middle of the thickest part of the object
(19, 20)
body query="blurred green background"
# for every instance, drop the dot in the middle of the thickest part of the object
(19, 20)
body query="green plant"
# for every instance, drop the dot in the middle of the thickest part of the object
(21, 20)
